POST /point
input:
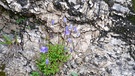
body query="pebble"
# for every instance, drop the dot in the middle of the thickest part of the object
(79, 61)
(86, 59)
(73, 64)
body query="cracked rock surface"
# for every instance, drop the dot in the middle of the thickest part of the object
(102, 45)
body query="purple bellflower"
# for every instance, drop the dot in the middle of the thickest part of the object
(78, 34)
(44, 49)
(47, 61)
(71, 50)
(52, 21)
(69, 40)
(67, 31)
(67, 28)
(64, 19)
(75, 29)
(71, 26)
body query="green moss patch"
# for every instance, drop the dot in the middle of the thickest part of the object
(131, 18)
(133, 5)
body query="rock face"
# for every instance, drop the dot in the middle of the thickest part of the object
(102, 39)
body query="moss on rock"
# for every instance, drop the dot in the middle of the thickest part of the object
(133, 5)
(131, 18)
(2, 67)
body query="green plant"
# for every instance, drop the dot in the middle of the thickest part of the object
(7, 40)
(133, 5)
(131, 18)
(51, 58)
(2, 67)
(74, 74)
(35, 74)
(20, 20)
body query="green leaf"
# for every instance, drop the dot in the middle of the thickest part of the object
(7, 39)
(35, 74)
(74, 74)
(3, 43)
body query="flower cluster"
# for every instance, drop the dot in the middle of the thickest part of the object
(53, 55)
(44, 49)
(68, 30)
(51, 58)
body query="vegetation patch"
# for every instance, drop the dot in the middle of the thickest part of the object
(133, 5)
(2, 67)
(131, 18)
(51, 59)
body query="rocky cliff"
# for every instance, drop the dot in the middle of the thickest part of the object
(102, 44)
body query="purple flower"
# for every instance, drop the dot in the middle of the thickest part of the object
(83, 0)
(44, 49)
(65, 19)
(47, 61)
(71, 50)
(67, 32)
(52, 21)
(66, 28)
(78, 34)
(65, 48)
(75, 29)
(69, 40)
(71, 26)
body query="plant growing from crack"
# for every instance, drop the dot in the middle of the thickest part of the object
(53, 56)
(7, 40)
(133, 5)
(2, 67)
(20, 20)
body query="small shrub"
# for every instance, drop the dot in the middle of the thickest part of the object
(51, 58)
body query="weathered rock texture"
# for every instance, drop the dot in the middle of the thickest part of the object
(103, 45)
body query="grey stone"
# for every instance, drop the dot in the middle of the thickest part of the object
(64, 5)
(120, 8)
(86, 59)
(78, 61)
(50, 7)
(72, 1)
(82, 71)
(133, 67)
(73, 64)
(68, 64)
(96, 50)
